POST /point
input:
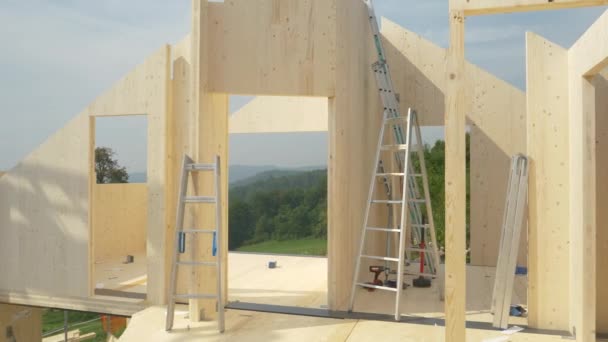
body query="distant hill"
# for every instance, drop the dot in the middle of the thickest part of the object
(238, 173)
(243, 174)
(276, 180)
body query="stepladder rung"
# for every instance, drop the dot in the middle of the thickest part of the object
(375, 257)
(387, 202)
(198, 263)
(424, 226)
(377, 287)
(198, 231)
(392, 120)
(199, 199)
(200, 167)
(396, 147)
(421, 274)
(196, 296)
(387, 230)
(417, 200)
(189, 165)
(406, 139)
(388, 174)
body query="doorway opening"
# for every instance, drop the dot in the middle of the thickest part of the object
(277, 212)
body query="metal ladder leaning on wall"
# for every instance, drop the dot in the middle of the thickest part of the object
(408, 201)
(188, 166)
(514, 217)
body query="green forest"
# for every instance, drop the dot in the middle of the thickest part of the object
(286, 211)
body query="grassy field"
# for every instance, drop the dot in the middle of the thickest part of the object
(299, 247)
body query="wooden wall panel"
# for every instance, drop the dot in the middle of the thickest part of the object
(587, 57)
(207, 132)
(25, 323)
(548, 134)
(354, 123)
(272, 47)
(273, 114)
(145, 90)
(601, 153)
(496, 114)
(120, 220)
(44, 206)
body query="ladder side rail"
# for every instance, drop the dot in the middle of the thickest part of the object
(375, 29)
(501, 247)
(219, 247)
(366, 218)
(178, 227)
(427, 195)
(505, 245)
(404, 218)
(517, 227)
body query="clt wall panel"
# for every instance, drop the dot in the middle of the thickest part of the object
(496, 114)
(354, 123)
(278, 114)
(44, 206)
(120, 220)
(548, 136)
(272, 47)
(145, 90)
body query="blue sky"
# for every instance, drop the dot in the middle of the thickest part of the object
(57, 56)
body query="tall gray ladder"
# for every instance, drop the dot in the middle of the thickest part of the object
(188, 165)
(407, 202)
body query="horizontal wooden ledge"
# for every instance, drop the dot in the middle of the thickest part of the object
(90, 304)
(488, 7)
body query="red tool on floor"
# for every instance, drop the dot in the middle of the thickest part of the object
(376, 270)
(421, 281)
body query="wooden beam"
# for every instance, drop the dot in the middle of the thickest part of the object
(485, 7)
(278, 114)
(455, 182)
(548, 195)
(589, 54)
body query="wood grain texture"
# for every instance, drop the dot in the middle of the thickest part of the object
(455, 182)
(208, 136)
(145, 90)
(120, 220)
(278, 114)
(44, 208)
(485, 7)
(549, 240)
(354, 124)
(272, 47)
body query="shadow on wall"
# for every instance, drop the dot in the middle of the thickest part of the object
(601, 117)
(44, 230)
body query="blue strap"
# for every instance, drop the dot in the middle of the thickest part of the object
(214, 249)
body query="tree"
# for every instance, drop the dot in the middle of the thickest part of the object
(107, 168)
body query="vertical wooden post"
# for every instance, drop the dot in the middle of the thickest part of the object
(209, 137)
(455, 183)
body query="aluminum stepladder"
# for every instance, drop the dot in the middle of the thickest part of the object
(514, 215)
(407, 202)
(188, 166)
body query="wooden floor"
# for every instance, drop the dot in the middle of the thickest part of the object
(302, 282)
